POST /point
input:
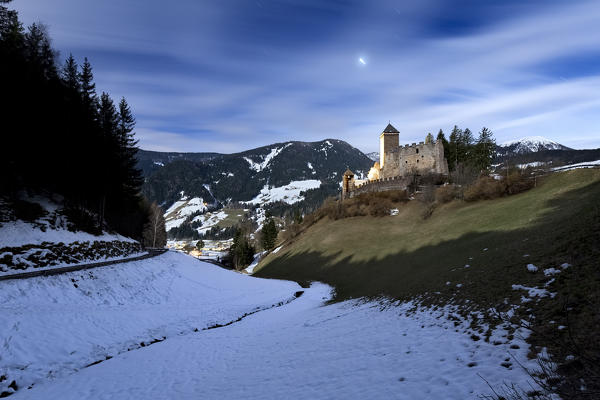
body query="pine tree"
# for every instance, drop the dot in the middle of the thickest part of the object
(39, 52)
(107, 117)
(269, 234)
(88, 88)
(453, 147)
(484, 149)
(70, 74)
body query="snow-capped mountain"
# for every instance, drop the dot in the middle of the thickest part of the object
(281, 175)
(374, 156)
(530, 144)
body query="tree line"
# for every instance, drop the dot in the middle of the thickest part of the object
(61, 137)
(463, 149)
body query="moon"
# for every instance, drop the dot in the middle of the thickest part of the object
(362, 61)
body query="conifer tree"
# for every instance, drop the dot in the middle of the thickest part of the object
(453, 147)
(269, 234)
(88, 87)
(70, 74)
(484, 149)
(39, 52)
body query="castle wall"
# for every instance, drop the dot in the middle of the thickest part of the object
(382, 185)
(421, 158)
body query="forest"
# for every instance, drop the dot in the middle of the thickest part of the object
(61, 136)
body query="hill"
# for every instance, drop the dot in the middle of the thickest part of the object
(535, 253)
(273, 177)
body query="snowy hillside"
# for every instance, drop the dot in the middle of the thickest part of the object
(374, 156)
(160, 329)
(183, 208)
(290, 193)
(530, 144)
(52, 327)
(50, 241)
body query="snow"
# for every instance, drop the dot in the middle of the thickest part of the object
(51, 327)
(530, 165)
(532, 144)
(266, 159)
(181, 209)
(587, 164)
(309, 165)
(289, 193)
(19, 233)
(209, 220)
(531, 268)
(533, 292)
(160, 164)
(277, 249)
(303, 349)
(255, 261)
(551, 271)
(82, 259)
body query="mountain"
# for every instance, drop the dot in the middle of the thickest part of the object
(150, 161)
(526, 145)
(374, 156)
(536, 150)
(273, 177)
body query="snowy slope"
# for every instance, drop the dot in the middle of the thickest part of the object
(373, 156)
(307, 350)
(289, 193)
(183, 208)
(51, 327)
(530, 144)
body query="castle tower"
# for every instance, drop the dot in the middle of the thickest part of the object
(347, 183)
(388, 140)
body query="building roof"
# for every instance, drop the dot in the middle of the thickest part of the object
(390, 129)
(348, 172)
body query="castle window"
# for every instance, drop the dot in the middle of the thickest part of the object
(406, 162)
(422, 156)
(417, 160)
(417, 151)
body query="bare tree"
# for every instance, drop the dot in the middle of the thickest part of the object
(155, 234)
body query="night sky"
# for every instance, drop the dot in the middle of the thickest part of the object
(229, 75)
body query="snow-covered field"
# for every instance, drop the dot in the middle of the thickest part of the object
(51, 327)
(289, 193)
(181, 209)
(587, 164)
(50, 330)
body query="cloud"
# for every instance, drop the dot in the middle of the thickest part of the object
(222, 77)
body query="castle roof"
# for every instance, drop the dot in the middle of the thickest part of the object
(390, 129)
(348, 172)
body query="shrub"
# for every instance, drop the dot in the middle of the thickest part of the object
(484, 188)
(445, 194)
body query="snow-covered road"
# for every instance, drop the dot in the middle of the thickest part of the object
(303, 349)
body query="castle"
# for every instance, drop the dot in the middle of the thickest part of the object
(397, 164)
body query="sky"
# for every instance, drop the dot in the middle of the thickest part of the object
(230, 75)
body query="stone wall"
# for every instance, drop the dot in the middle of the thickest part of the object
(422, 158)
(381, 185)
(388, 142)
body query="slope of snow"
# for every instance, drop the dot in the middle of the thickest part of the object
(209, 220)
(374, 156)
(587, 164)
(532, 144)
(289, 193)
(305, 349)
(181, 209)
(266, 159)
(51, 327)
(20, 233)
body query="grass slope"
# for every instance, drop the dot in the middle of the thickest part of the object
(471, 254)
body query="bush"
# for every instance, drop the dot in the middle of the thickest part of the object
(484, 188)
(445, 194)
